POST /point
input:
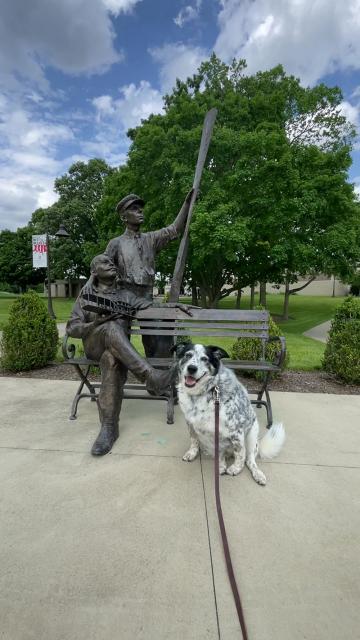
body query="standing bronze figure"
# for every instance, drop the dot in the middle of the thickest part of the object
(134, 252)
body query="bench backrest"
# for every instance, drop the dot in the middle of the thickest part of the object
(203, 322)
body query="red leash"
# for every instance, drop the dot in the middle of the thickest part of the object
(229, 566)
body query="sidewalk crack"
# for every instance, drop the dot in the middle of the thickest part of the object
(210, 551)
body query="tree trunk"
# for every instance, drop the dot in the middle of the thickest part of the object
(213, 300)
(238, 298)
(252, 296)
(194, 295)
(203, 298)
(286, 301)
(262, 298)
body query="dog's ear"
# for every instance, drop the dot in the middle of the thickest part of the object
(218, 352)
(180, 348)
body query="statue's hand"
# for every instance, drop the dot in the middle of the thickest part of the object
(186, 308)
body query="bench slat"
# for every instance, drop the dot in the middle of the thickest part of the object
(166, 362)
(200, 333)
(163, 324)
(203, 314)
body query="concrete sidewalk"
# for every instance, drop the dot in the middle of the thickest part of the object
(128, 546)
(320, 332)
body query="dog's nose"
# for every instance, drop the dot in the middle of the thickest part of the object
(192, 369)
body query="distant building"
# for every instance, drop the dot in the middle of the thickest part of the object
(65, 288)
(321, 286)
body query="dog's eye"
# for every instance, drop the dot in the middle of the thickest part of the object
(188, 354)
(204, 359)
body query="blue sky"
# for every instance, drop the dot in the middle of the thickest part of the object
(76, 74)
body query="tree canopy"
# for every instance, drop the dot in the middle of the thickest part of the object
(274, 203)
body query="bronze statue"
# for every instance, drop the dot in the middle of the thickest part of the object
(133, 254)
(101, 316)
(121, 282)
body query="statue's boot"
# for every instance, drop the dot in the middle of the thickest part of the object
(107, 436)
(113, 378)
(160, 382)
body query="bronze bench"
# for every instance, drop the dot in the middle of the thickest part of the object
(204, 323)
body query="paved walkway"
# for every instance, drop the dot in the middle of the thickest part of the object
(128, 546)
(61, 328)
(320, 332)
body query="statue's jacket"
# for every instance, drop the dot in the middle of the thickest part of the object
(133, 254)
(80, 323)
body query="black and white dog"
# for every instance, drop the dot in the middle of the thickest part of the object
(200, 370)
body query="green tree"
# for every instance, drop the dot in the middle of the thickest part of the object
(16, 260)
(274, 188)
(80, 191)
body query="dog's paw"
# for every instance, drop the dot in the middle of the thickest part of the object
(259, 476)
(234, 470)
(190, 455)
(222, 469)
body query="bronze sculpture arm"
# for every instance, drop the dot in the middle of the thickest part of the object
(80, 324)
(180, 220)
(186, 308)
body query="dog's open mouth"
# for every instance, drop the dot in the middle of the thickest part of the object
(190, 381)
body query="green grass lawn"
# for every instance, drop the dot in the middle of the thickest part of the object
(305, 312)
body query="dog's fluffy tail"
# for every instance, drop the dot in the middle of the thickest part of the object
(271, 443)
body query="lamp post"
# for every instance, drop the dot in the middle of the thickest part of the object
(61, 233)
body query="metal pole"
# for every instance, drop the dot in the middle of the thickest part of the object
(50, 307)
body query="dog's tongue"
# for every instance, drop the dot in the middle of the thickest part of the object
(190, 381)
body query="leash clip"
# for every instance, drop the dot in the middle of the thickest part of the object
(216, 394)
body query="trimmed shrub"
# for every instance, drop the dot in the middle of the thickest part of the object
(30, 337)
(354, 283)
(251, 349)
(342, 351)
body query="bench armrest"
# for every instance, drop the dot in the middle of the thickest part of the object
(68, 349)
(281, 353)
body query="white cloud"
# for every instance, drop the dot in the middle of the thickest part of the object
(188, 13)
(356, 92)
(75, 36)
(29, 147)
(356, 182)
(120, 6)
(350, 112)
(21, 193)
(136, 104)
(114, 116)
(309, 38)
(177, 61)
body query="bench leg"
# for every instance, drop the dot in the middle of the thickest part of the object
(266, 403)
(84, 381)
(263, 388)
(268, 410)
(170, 409)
